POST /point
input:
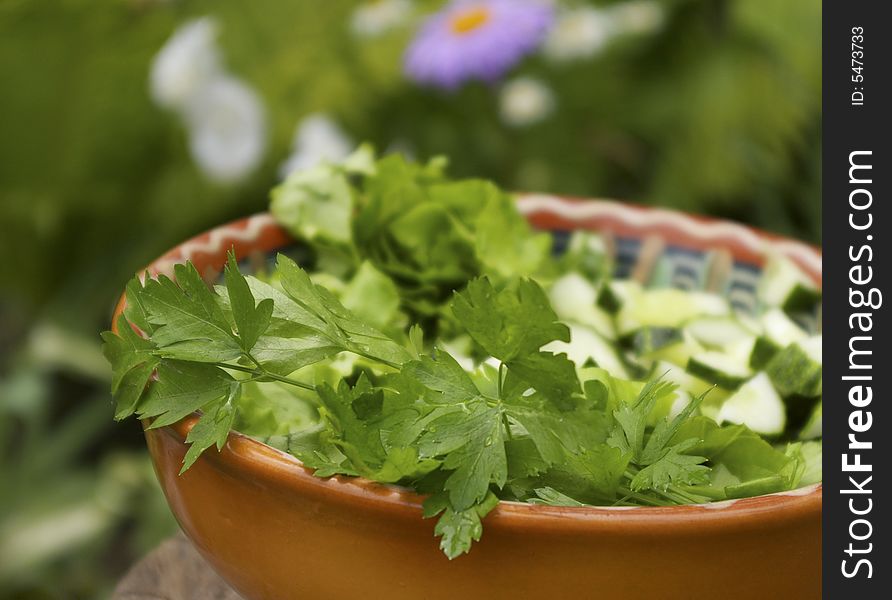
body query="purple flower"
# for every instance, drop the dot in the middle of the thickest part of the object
(476, 40)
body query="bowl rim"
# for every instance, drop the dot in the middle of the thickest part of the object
(246, 456)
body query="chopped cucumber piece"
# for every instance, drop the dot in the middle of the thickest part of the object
(652, 339)
(797, 369)
(785, 286)
(814, 427)
(757, 405)
(687, 382)
(741, 349)
(762, 352)
(718, 332)
(573, 298)
(668, 307)
(587, 346)
(781, 329)
(814, 347)
(721, 369)
(607, 300)
(678, 353)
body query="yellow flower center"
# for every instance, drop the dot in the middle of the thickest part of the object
(468, 20)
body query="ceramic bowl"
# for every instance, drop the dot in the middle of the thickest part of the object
(274, 531)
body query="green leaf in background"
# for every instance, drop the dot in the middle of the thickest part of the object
(504, 241)
(752, 465)
(372, 296)
(315, 204)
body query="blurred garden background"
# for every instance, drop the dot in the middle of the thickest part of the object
(127, 126)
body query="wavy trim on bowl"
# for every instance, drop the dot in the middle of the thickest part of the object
(260, 233)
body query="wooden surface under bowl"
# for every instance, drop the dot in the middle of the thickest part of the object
(274, 531)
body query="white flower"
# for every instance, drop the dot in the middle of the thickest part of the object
(227, 131)
(317, 139)
(578, 33)
(524, 101)
(187, 61)
(637, 16)
(376, 17)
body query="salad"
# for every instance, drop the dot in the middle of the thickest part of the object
(422, 334)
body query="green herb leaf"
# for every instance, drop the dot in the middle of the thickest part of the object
(459, 529)
(133, 361)
(505, 243)
(190, 324)
(212, 428)
(315, 204)
(672, 467)
(472, 443)
(181, 389)
(631, 417)
(335, 321)
(511, 323)
(251, 320)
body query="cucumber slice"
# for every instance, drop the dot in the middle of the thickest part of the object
(648, 340)
(814, 426)
(814, 347)
(667, 307)
(780, 329)
(762, 352)
(678, 353)
(587, 346)
(757, 405)
(612, 295)
(607, 300)
(721, 369)
(573, 298)
(797, 369)
(717, 332)
(785, 286)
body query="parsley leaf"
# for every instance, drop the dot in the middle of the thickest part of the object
(472, 444)
(672, 467)
(510, 323)
(631, 417)
(181, 389)
(251, 320)
(458, 529)
(190, 324)
(133, 361)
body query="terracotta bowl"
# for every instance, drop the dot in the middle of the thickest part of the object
(274, 531)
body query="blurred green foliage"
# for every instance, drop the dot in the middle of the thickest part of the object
(718, 112)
